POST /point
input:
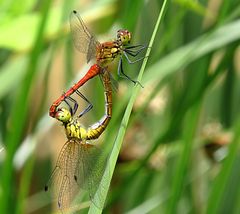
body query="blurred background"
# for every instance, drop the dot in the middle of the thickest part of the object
(180, 153)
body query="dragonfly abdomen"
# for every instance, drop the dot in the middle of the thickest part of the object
(92, 72)
(97, 129)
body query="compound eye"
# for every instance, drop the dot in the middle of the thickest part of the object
(63, 115)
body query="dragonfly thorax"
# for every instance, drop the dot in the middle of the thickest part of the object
(73, 127)
(107, 52)
(75, 130)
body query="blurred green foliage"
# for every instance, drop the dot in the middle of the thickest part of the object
(180, 152)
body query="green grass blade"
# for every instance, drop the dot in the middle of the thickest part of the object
(219, 185)
(24, 185)
(19, 116)
(201, 46)
(119, 139)
(182, 164)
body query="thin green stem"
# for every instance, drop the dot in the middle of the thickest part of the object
(105, 183)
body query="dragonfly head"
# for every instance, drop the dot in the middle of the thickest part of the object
(63, 115)
(124, 36)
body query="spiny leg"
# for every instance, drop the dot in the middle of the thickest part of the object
(88, 108)
(122, 74)
(130, 61)
(135, 52)
(74, 108)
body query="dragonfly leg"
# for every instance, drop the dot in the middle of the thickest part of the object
(122, 74)
(132, 53)
(89, 107)
(135, 52)
(136, 46)
(74, 108)
(130, 61)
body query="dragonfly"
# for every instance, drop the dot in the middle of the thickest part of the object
(80, 165)
(103, 53)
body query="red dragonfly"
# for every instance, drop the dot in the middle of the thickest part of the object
(103, 53)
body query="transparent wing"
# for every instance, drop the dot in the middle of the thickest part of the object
(79, 167)
(62, 183)
(83, 40)
(91, 168)
(114, 82)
